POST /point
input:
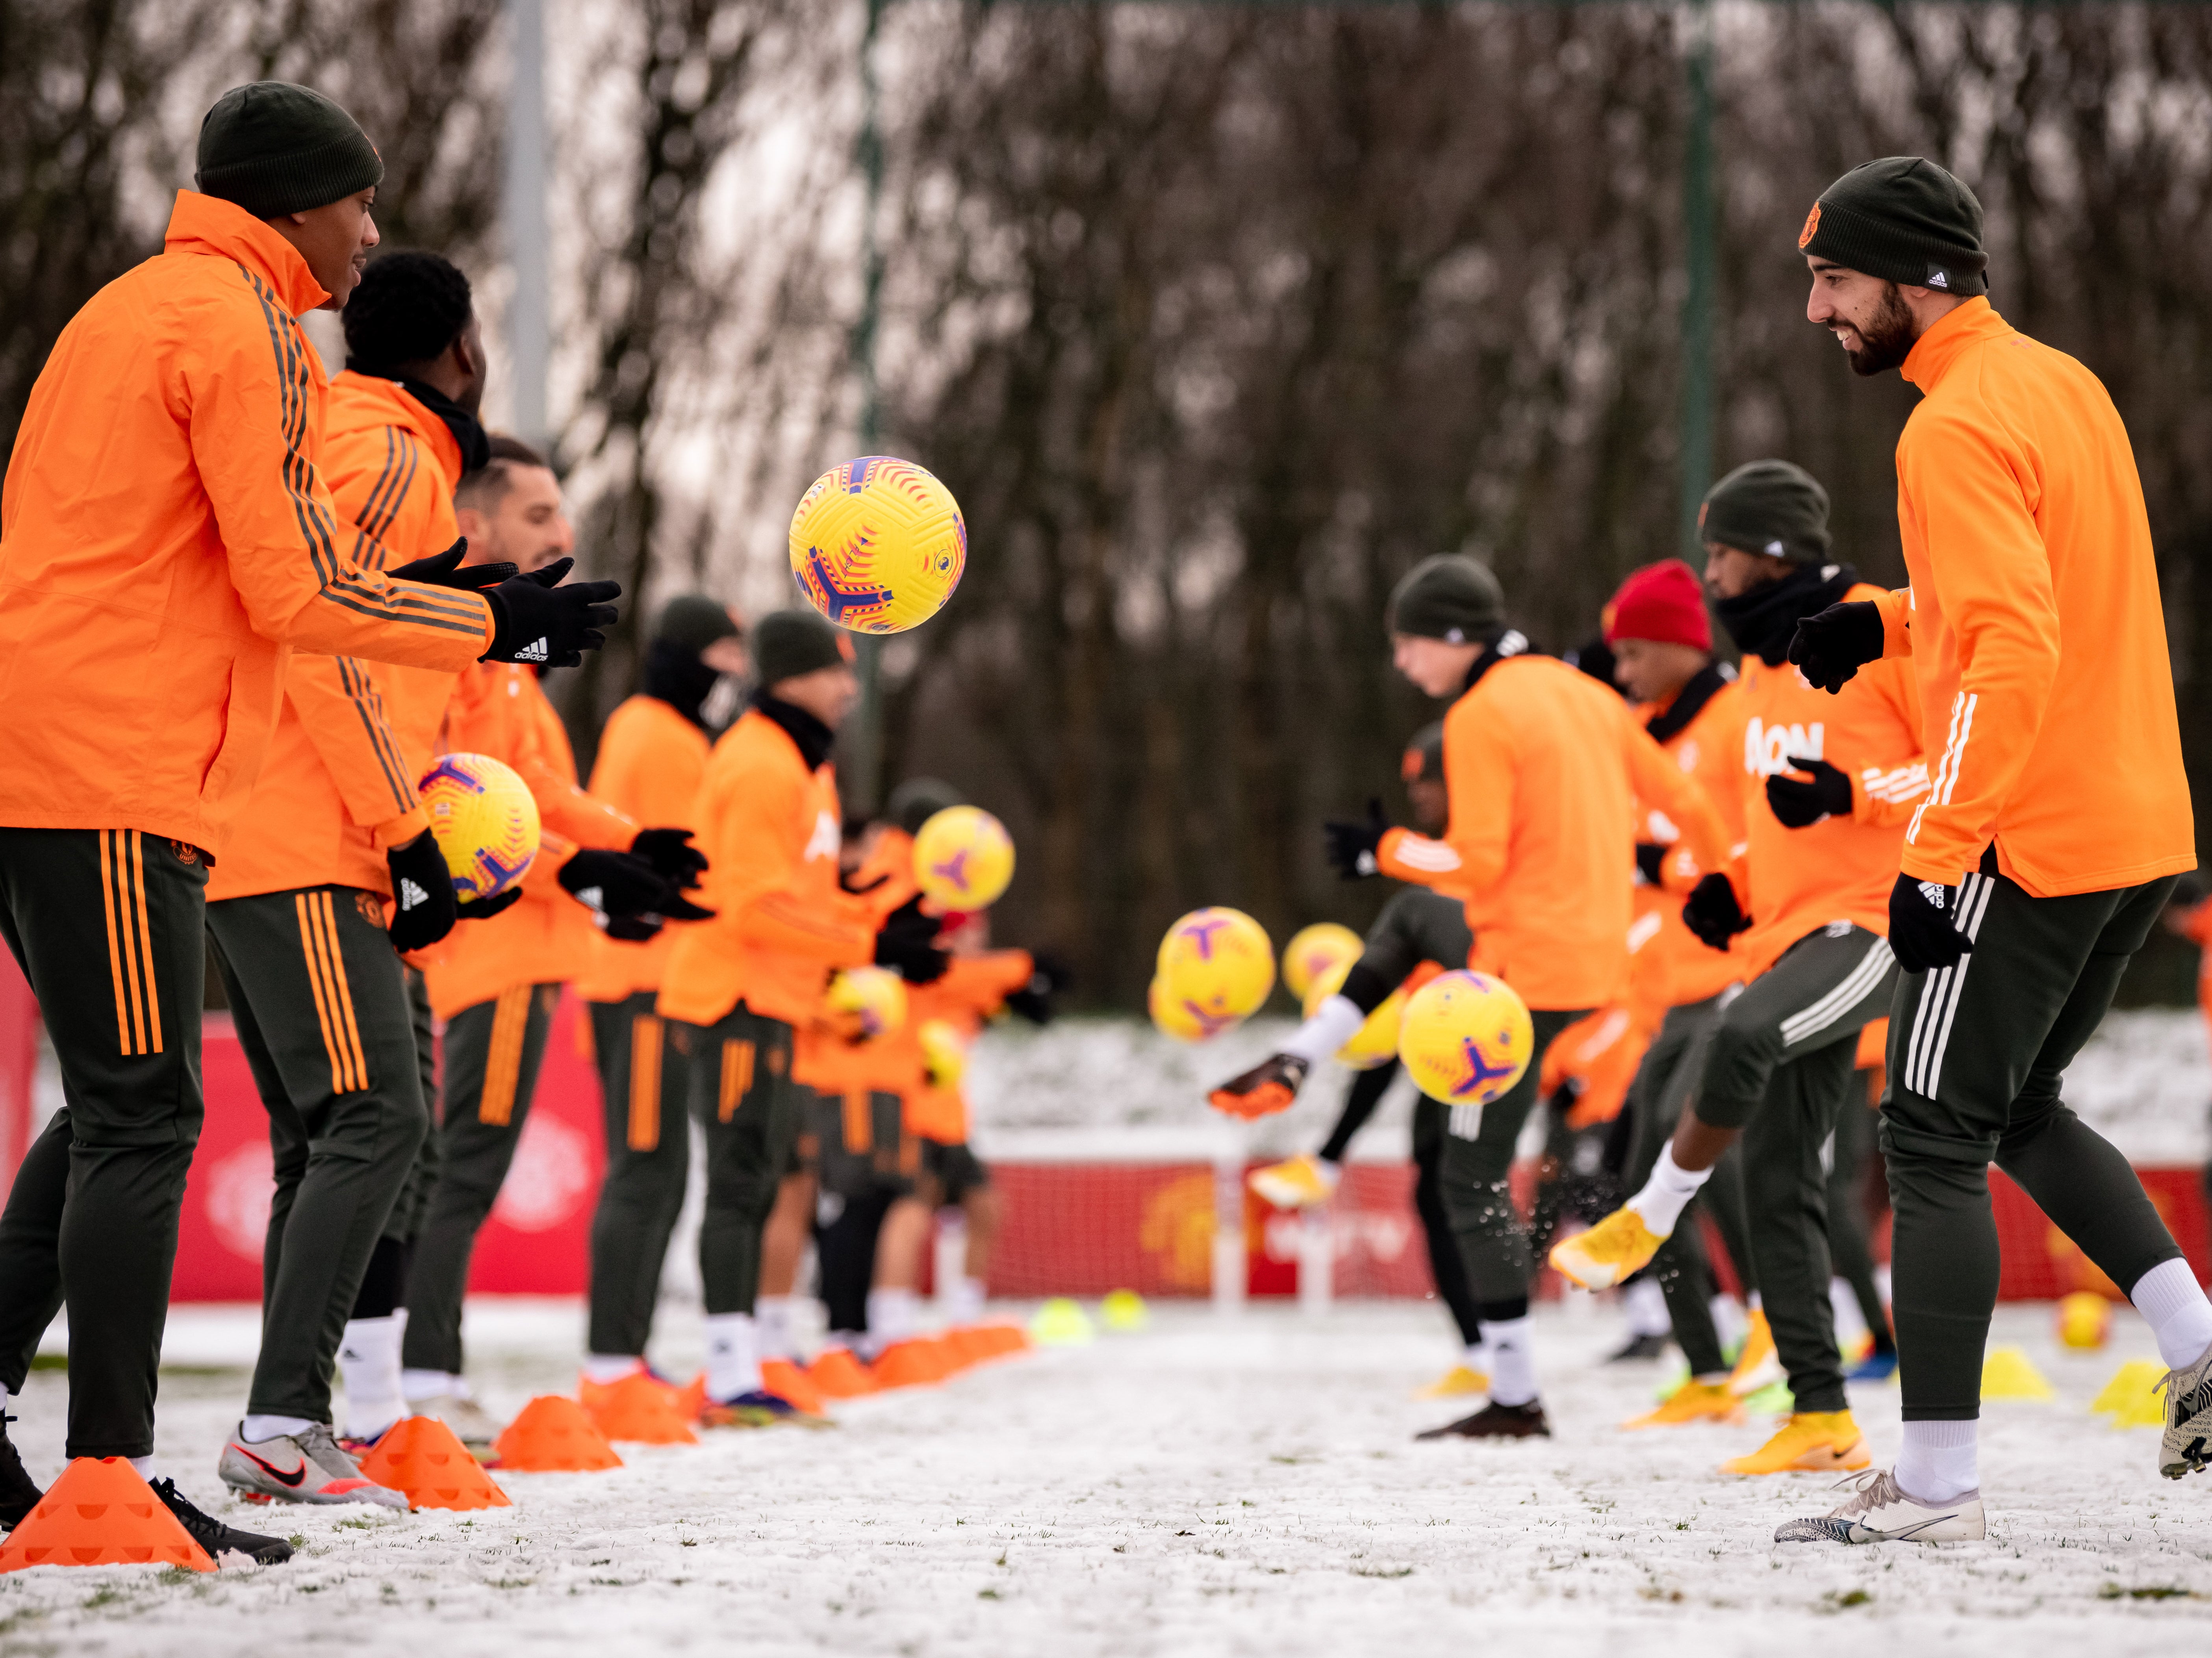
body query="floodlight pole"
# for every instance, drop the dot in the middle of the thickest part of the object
(530, 311)
(865, 735)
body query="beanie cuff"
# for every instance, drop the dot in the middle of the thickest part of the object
(1859, 241)
(270, 187)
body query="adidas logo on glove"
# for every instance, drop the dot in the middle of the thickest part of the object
(536, 651)
(411, 895)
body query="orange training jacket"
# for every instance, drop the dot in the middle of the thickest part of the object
(1840, 869)
(973, 989)
(771, 830)
(338, 789)
(500, 709)
(2033, 622)
(1543, 765)
(651, 760)
(1672, 966)
(165, 537)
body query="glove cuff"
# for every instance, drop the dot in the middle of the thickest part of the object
(396, 832)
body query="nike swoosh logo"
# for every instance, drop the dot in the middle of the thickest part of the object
(1918, 1526)
(279, 1475)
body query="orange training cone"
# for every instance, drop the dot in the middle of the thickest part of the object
(101, 1513)
(790, 1384)
(642, 1409)
(420, 1455)
(839, 1374)
(914, 1362)
(1003, 1338)
(555, 1435)
(969, 1345)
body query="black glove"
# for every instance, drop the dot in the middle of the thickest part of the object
(535, 619)
(633, 929)
(446, 570)
(849, 881)
(672, 854)
(1830, 648)
(614, 884)
(482, 909)
(424, 908)
(907, 942)
(1652, 862)
(1712, 912)
(1798, 804)
(1923, 931)
(1352, 846)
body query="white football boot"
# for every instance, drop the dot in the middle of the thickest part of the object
(2181, 1449)
(1878, 1512)
(302, 1468)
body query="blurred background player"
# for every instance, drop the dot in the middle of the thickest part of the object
(653, 752)
(323, 1008)
(1418, 929)
(495, 985)
(768, 822)
(1777, 1064)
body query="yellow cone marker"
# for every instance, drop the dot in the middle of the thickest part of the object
(2130, 1398)
(1061, 1323)
(1123, 1311)
(2007, 1373)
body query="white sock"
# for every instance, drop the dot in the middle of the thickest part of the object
(2169, 1297)
(254, 1429)
(1751, 1303)
(606, 1369)
(1509, 1343)
(1844, 1305)
(4, 1401)
(1667, 1193)
(1645, 1303)
(1334, 1024)
(145, 1466)
(1938, 1463)
(1477, 1356)
(772, 1314)
(891, 1316)
(732, 1356)
(852, 1341)
(369, 1360)
(968, 1297)
(415, 1386)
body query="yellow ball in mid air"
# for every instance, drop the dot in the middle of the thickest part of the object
(486, 821)
(877, 544)
(1173, 1019)
(1314, 948)
(1218, 964)
(874, 996)
(1466, 1037)
(944, 1055)
(1375, 1042)
(963, 857)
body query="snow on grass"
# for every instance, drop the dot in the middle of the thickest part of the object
(1205, 1487)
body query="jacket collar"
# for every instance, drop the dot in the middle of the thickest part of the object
(1947, 338)
(813, 739)
(399, 407)
(1703, 686)
(207, 224)
(1510, 643)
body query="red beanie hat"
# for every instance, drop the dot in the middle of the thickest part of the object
(1662, 602)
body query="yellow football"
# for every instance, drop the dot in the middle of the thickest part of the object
(944, 1055)
(963, 857)
(2085, 1319)
(1466, 1037)
(1375, 1042)
(1184, 1024)
(486, 821)
(1218, 964)
(1313, 947)
(876, 996)
(877, 544)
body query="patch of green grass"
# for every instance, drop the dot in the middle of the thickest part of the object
(105, 1595)
(2147, 1592)
(1382, 1571)
(988, 1594)
(1833, 1601)
(51, 1362)
(513, 1582)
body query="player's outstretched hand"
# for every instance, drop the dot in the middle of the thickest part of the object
(1923, 926)
(907, 942)
(1266, 1088)
(672, 856)
(446, 570)
(1713, 912)
(423, 910)
(614, 883)
(536, 619)
(1352, 848)
(1799, 804)
(632, 929)
(1831, 647)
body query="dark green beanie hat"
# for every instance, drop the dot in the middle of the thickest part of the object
(1449, 598)
(1903, 219)
(276, 148)
(788, 643)
(1423, 761)
(1768, 507)
(917, 801)
(693, 621)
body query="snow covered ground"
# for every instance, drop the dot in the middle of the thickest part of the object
(1205, 1487)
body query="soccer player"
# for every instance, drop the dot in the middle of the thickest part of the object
(332, 834)
(495, 984)
(653, 752)
(164, 537)
(2049, 841)
(1542, 764)
(767, 819)
(1827, 784)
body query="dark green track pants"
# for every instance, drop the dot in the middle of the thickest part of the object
(644, 1082)
(321, 1004)
(1976, 1055)
(492, 1053)
(1493, 1240)
(743, 1097)
(109, 925)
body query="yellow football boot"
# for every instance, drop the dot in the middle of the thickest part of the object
(1757, 1365)
(1811, 1441)
(1460, 1379)
(1299, 1183)
(1693, 1401)
(1600, 1258)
